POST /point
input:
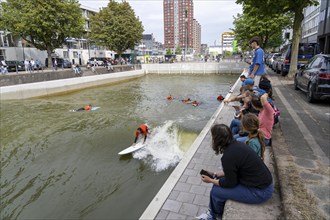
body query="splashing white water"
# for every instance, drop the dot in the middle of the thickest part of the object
(162, 148)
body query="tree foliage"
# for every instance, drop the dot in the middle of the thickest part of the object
(296, 7)
(116, 27)
(44, 23)
(178, 50)
(252, 23)
(168, 51)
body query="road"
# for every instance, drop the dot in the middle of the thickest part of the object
(302, 150)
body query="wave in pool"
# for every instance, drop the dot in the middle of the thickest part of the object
(162, 147)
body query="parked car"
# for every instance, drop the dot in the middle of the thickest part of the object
(60, 62)
(305, 53)
(274, 65)
(12, 64)
(99, 61)
(314, 78)
(272, 58)
(267, 58)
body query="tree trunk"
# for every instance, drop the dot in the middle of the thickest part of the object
(49, 55)
(298, 18)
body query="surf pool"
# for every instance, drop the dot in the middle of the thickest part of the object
(57, 164)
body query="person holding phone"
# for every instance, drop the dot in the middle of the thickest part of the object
(244, 178)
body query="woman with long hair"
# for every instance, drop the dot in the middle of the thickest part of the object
(244, 178)
(266, 115)
(255, 140)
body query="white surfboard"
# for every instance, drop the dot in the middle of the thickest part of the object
(131, 149)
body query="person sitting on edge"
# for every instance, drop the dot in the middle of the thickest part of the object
(169, 97)
(86, 108)
(186, 100)
(220, 98)
(266, 116)
(242, 78)
(244, 178)
(195, 103)
(142, 130)
(255, 139)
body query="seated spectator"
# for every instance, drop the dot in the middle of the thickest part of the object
(255, 139)
(249, 83)
(242, 78)
(237, 97)
(266, 115)
(244, 178)
(235, 124)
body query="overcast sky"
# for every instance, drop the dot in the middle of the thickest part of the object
(215, 16)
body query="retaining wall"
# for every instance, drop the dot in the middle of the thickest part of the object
(14, 78)
(38, 89)
(230, 66)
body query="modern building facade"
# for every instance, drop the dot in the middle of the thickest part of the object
(77, 50)
(178, 24)
(149, 46)
(310, 24)
(324, 27)
(197, 37)
(227, 39)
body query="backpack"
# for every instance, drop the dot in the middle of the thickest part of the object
(277, 114)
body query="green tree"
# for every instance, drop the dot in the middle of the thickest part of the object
(168, 51)
(266, 7)
(252, 23)
(178, 50)
(44, 23)
(116, 27)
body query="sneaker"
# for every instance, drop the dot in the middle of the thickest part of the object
(205, 216)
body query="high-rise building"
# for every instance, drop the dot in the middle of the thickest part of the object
(178, 24)
(197, 31)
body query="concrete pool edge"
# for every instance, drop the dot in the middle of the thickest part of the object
(40, 89)
(156, 204)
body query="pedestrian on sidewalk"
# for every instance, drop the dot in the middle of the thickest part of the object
(27, 65)
(244, 178)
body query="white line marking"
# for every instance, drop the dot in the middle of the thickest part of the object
(307, 135)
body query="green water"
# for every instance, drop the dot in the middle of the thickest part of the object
(57, 164)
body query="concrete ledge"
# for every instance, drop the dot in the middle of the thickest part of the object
(22, 77)
(195, 68)
(268, 210)
(47, 88)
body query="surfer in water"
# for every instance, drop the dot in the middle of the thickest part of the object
(195, 103)
(188, 100)
(86, 108)
(142, 130)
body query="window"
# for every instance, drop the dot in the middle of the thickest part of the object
(317, 63)
(75, 54)
(2, 55)
(65, 54)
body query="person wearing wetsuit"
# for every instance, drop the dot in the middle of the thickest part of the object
(142, 129)
(86, 108)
